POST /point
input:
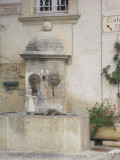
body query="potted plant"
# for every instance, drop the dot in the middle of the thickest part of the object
(103, 119)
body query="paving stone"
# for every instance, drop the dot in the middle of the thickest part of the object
(113, 154)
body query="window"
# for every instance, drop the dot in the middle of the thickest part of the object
(45, 6)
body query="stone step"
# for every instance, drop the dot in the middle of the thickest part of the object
(111, 143)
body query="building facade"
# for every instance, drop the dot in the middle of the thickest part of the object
(85, 36)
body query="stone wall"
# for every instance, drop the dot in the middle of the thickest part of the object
(62, 133)
(12, 99)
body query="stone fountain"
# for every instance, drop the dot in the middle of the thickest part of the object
(45, 71)
(46, 126)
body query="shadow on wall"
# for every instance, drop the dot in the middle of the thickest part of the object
(79, 105)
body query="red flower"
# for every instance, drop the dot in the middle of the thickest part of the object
(110, 111)
(98, 114)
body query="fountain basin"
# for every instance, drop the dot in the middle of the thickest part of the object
(67, 133)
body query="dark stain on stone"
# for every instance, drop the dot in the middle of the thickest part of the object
(21, 77)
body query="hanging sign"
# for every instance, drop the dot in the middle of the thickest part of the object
(111, 24)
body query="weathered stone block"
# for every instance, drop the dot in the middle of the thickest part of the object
(111, 143)
(3, 132)
(44, 133)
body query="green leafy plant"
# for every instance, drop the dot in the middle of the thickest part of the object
(103, 115)
(114, 77)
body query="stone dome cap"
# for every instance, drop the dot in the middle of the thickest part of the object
(45, 43)
(45, 46)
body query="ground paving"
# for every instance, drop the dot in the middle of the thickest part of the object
(112, 154)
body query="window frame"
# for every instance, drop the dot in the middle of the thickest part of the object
(54, 7)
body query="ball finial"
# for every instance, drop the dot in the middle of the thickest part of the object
(47, 26)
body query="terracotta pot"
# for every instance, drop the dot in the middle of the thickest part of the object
(107, 133)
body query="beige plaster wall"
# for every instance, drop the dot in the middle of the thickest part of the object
(92, 51)
(83, 41)
(83, 81)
